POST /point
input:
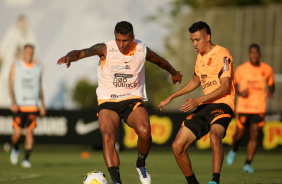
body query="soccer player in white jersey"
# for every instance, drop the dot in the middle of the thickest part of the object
(26, 92)
(121, 90)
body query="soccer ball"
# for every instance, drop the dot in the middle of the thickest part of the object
(95, 177)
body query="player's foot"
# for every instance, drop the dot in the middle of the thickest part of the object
(212, 182)
(144, 175)
(14, 157)
(230, 157)
(248, 169)
(26, 164)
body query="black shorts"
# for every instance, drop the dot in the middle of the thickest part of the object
(122, 108)
(244, 120)
(25, 119)
(200, 120)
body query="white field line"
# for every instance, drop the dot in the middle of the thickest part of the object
(23, 177)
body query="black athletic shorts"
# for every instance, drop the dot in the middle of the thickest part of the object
(122, 108)
(201, 120)
(25, 119)
(244, 120)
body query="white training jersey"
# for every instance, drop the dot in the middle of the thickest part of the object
(27, 84)
(122, 76)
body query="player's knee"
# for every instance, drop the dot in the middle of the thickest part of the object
(144, 132)
(215, 140)
(177, 148)
(108, 137)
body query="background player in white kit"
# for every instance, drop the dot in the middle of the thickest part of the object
(26, 92)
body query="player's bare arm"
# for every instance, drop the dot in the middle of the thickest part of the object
(99, 49)
(14, 107)
(190, 86)
(223, 90)
(42, 107)
(244, 93)
(270, 92)
(151, 56)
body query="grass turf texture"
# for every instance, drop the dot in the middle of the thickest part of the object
(62, 164)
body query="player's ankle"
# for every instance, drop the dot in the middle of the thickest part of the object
(115, 175)
(141, 159)
(248, 162)
(192, 179)
(215, 177)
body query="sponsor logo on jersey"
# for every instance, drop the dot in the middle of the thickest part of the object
(226, 62)
(120, 80)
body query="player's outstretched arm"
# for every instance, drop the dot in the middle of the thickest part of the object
(190, 86)
(151, 56)
(223, 90)
(99, 49)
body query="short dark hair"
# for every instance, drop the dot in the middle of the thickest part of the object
(197, 26)
(254, 45)
(124, 28)
(28, 45)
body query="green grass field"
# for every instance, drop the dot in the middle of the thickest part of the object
(62, 164)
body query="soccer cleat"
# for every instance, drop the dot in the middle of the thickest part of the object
(248, 169)
(144, 175)
(14, 157)
(212, 182)
(230, 157)
(26, 164)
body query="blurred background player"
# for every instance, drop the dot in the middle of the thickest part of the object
(251, 80)
(214, 70)
(26, 92)
(121, 90)
(11, 50)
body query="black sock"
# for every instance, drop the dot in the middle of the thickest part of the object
(235, 146)
(215, 177)
(114, 172)
(16, 146)
(192, 179)
(27, 154)
(141, 160)
(248, 162)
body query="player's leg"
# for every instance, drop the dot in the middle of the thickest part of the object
(15, 139)
(252, 146)
(109, 122)
(138, 119)
(183, 139)
(217, 132)
(237, 137)
(29, 139)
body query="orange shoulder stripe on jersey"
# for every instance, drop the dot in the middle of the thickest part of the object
(221, 116)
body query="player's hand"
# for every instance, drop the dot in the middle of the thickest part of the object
(176, 78)
(42, 111)
(163, 103)
(64, 60)
(244, 93)
(190, 104)
(14, 108)
(269, 95)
